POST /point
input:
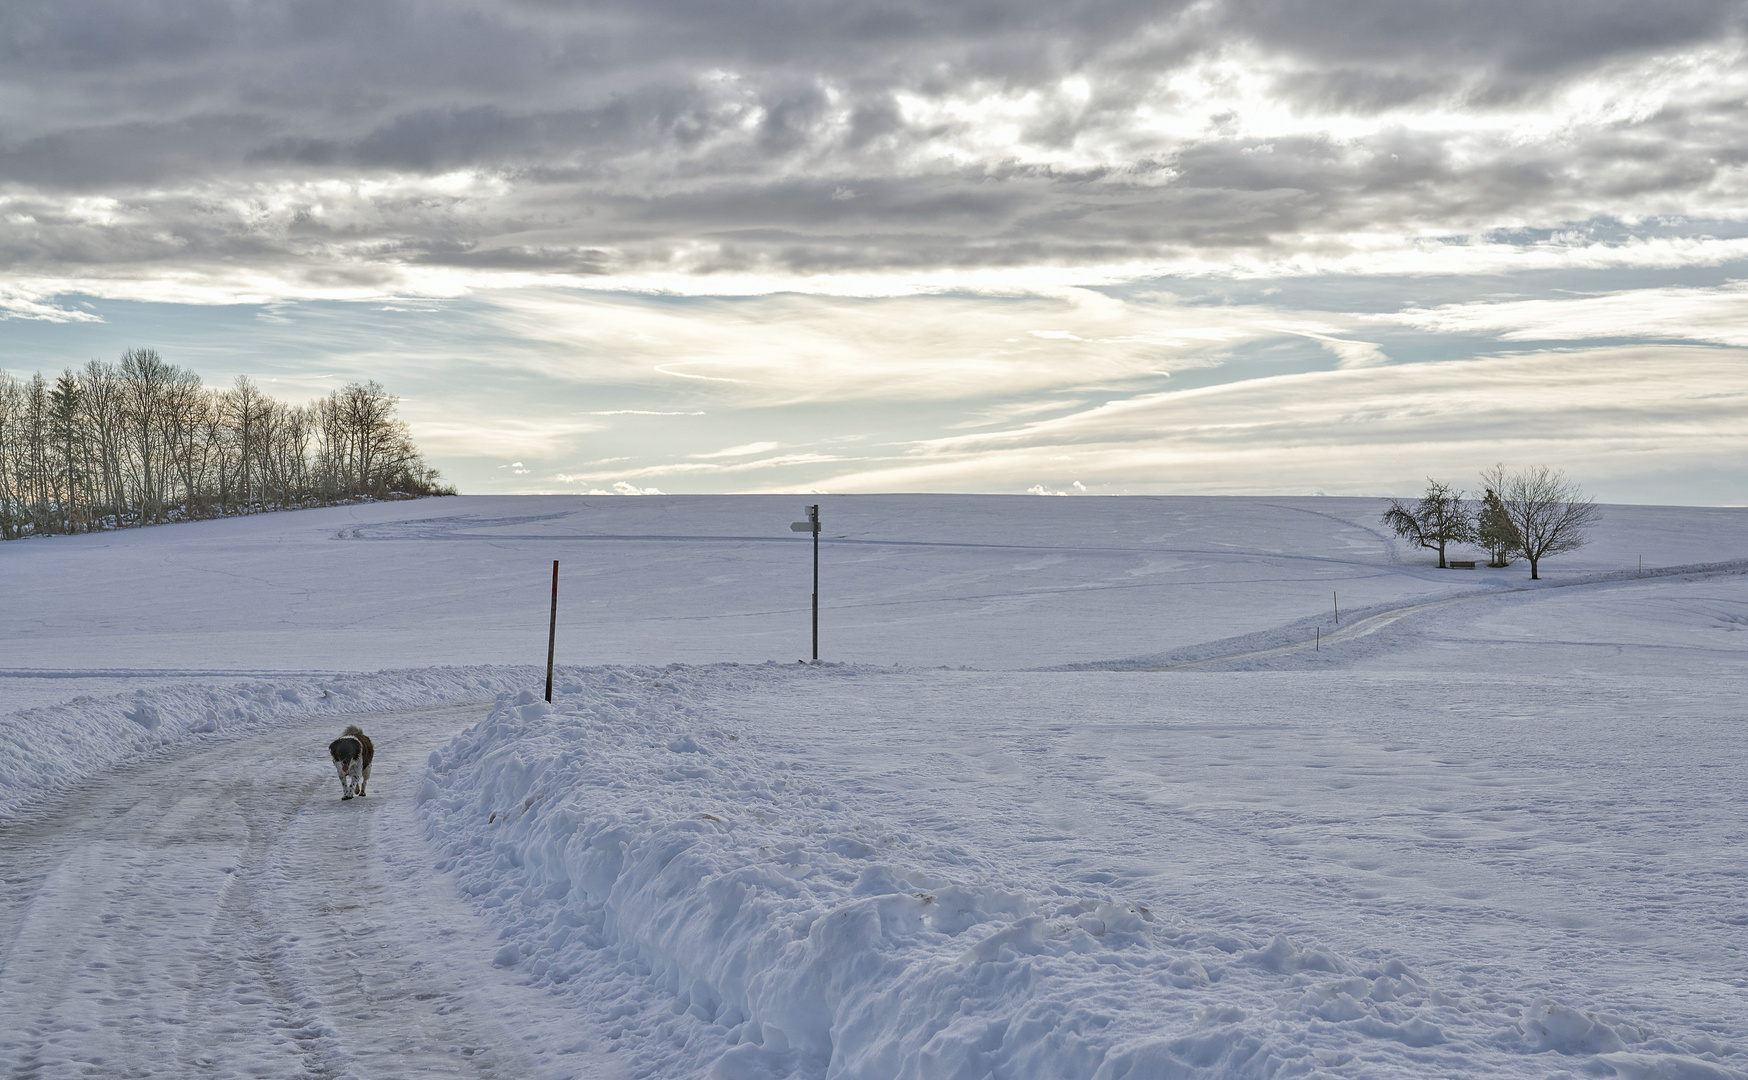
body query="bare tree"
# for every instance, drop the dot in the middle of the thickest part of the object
(1551, 514)
(246, 405)
(297, 430)
(37, 459)
(365, 449)
(11, 497)
(186, 405)
(374, 433)
(146, 379)
(285, 438)
(1439, 518)
(106, 423)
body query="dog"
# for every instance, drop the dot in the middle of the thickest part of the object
(352, 752)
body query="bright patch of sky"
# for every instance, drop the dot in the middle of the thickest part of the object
(1212, 246)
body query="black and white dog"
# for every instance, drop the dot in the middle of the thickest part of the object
(352, 753)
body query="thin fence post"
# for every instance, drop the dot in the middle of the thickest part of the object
(813, 516)
(1337, 600)
(552, 631)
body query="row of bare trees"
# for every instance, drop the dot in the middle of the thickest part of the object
(1535, 512)
(142, 441)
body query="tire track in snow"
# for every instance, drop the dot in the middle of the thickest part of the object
(243, 986)
(1364, 627)
(223, 913)
(1371, 623)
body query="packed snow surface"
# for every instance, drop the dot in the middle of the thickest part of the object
(1087, 788)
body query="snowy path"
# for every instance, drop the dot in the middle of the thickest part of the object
(251, 924)
(1362, 625)
(1355, 628)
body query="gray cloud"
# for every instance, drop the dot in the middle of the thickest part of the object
(1531, 40)
(621, 137)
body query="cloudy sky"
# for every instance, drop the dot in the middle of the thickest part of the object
(955, 245)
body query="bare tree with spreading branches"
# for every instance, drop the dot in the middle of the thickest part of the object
(1441, 517)
(146, 383)
(106, 424)
(1551, 513)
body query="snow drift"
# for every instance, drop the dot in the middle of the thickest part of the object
(626, 833)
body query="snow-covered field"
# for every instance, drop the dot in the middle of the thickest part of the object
(1088, 787)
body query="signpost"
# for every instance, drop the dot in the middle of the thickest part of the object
(811, 525)
(552, 631)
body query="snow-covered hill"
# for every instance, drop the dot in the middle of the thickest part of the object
(1013, 582)
(1089, 787)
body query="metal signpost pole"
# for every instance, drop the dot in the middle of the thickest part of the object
(552, 631)
(812, 525)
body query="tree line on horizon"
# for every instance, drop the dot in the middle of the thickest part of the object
(142, 442)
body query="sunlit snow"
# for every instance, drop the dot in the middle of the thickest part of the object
(1085, 788)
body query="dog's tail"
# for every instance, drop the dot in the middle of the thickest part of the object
(353, 729)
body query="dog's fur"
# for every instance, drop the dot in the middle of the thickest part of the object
(352, 752)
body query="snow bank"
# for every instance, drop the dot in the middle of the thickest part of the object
(739, 917)
(51, 748)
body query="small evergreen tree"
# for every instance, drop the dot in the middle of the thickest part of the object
(67, 431)
(1495, 532)
(1439, 518)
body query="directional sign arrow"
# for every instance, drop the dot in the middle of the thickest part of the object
(804, 526)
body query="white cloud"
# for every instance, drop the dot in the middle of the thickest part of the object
(1348, 352)
(1717, 314)
(620, 487)
(703, 468)
(739, 451)
(1598, 413)
(21, 304)
(787, 349)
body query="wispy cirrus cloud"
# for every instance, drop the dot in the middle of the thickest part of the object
(1716, 314)
(786, 348)
(1362, 431)
(739, 451)
(701, 468)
